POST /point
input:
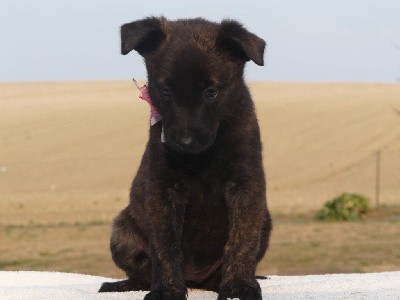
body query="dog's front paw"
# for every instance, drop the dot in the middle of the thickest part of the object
(156, 295)
(240, 290)
(107, 287)
(118, 286)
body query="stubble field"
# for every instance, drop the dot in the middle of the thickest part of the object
(69, 150)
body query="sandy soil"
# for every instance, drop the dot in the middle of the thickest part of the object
(68, 148)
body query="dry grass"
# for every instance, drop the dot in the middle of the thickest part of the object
(302, 246)
(298, 246)
(68, 152)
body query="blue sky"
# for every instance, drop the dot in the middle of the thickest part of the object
(308, 40)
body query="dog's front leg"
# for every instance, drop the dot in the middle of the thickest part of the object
(165, 215)
(246, 206)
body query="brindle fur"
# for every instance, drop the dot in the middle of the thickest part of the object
(197, 215)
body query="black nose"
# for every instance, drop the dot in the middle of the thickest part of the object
(189, 140)
(185, 140)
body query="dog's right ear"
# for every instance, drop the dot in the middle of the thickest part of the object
(233, 37)
(143, 36)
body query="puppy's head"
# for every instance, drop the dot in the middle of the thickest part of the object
(195, 73)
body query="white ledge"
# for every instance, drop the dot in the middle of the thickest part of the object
(54, 285)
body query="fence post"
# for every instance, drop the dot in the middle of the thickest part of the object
(378, 179)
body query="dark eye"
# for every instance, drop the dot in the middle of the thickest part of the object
(211, 94)
(166, 91)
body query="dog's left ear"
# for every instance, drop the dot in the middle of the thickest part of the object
(144, 35)
(233, 37)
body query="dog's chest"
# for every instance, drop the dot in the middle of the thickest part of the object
(205, 206)
(204, 200)
(205, 226)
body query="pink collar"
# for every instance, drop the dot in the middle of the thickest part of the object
(155, 115)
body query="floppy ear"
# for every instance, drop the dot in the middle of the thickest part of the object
(233, 37)
(143, 36)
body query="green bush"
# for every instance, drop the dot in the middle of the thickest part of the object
(346, 207)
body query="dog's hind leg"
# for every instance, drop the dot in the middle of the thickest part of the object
(265, 235)
(128, 249)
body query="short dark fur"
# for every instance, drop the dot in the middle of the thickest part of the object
(197, 215)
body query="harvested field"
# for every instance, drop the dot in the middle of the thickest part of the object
(69, 150)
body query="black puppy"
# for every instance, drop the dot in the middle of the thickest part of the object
(197, 215)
